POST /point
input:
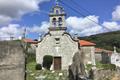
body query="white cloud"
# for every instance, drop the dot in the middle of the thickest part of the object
(113, 26)
(84, 26)
(12, 30)
(16, 31)
(14, 9)
(43, 28)
(5, 19)
(79, 23)
(116, 13)
(91, 31)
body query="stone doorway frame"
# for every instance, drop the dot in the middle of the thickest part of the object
(57, 62)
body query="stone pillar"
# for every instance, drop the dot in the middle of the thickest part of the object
(93, 56)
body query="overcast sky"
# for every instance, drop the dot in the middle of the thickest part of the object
(15, 15)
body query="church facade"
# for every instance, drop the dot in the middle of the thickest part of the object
(59, 44)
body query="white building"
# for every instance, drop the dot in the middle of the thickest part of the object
(115, 58)
(59, 44)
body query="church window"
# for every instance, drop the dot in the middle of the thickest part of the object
(117, 59)
(57, 12)
(54, 19)
(57, 42)
(54, 22)
(60, 21)
(57, 39)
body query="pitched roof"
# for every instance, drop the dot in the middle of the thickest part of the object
(30, 41)
(86, 43)
(82, 42)
(97, 50)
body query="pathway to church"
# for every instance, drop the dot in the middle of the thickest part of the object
(116, 77)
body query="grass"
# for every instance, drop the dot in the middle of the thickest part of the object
(31, 70)
(33, 74)
(100, 65)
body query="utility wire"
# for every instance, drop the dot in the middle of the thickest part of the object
(80, 7)
(83, 15)
(39, 12)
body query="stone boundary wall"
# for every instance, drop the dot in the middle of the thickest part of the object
(104, 74)
(12, 61)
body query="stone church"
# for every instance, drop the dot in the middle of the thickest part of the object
(57, 42)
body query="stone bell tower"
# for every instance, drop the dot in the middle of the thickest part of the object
(57, 18)
(57, 42)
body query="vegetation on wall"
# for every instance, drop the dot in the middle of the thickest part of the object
(38, 67)
(30, 57)
(101, 66)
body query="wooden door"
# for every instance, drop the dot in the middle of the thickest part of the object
(57, 63)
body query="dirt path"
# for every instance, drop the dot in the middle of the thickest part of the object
(116, 77)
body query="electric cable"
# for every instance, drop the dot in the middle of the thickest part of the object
(82, 14)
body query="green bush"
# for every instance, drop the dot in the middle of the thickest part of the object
(30, 57)
(38, 67)
(101, 66)
(109, 66)
(89, 66)
(105, 66)
(47, 61)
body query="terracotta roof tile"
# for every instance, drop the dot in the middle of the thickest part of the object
(86, 43)
(103, 50)
(30, 41)
(82, 42)
(98, 50)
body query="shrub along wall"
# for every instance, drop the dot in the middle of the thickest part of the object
(47, 61)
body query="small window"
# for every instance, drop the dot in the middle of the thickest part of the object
(57, 39)
(60, 21)
(57, 12)
(57, 42)
(117, 59)
(54, 19)
(54, 22)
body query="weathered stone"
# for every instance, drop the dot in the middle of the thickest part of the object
(103, 74)
(89, 54)
(12, 61)
(57, 42)
(77, 69)
(64, 48)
